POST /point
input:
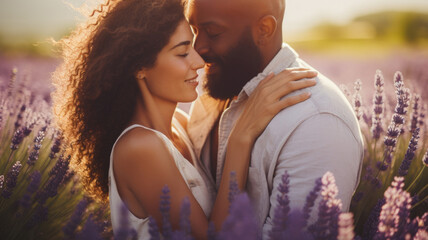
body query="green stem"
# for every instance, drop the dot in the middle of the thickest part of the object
(420, 202)
(422, 190)
(415, 179)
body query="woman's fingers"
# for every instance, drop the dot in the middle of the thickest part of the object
(290, 101)
(289, 87)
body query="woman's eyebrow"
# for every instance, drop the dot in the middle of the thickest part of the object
(184, 43)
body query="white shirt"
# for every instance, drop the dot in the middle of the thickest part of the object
(306, 140)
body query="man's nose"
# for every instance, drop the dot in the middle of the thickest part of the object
(201, 44)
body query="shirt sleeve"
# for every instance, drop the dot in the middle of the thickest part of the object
(319, 144)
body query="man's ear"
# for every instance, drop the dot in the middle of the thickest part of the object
(265, 30)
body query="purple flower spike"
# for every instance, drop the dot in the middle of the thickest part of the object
(346, 226)
(233, 188)
(184, 219)
(211, 232)
(153, 229)
(378, 106)
(326, 227)
(56, 176)
(56, 146)
(414, 119)
(241, 223)
(282, 209)
(17, 138)
(125, 231)
(70, 228)
(1, 181)
(34, 154)
(310, 200)
(410, 154)
(90, 231)
(425, 159)
(35, 178)
(11, 179)
(396, 208)
(164, 209)
(357, 100)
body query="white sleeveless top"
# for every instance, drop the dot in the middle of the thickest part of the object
(195, 177)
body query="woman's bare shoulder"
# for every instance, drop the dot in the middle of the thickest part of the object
(139, 144)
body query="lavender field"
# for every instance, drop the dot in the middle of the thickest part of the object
(41, 197)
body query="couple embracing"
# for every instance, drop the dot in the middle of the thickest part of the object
(264, 110)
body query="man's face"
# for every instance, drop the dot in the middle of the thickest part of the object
(224, 40)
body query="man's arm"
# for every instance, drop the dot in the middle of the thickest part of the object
(321, 143)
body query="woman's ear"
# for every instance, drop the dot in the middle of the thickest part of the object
(140, 75)
(265, 30)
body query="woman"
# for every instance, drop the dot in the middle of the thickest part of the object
(117, 91)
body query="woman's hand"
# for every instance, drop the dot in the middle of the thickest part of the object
(267, 100)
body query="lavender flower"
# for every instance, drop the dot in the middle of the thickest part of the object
(153, 229)
(184, 219)
(295, 230)
(357, 100)
(282, 208)
(378, 106)
(18, 121)
(415, 114)
(310, 200)
(34, 154)
(425, 159)
(421, 235)
(12, 81)
(410, 154)
(70, 228)
(397, 204)
(346, 227)
(40, 215)
(17, 138)
(211, 232)
(124, 229)
(326, 227)
(396, 126)
(240, 224)
(11, 179)
(90, 231)
(35, 178)
(164, 209)
(56, 146)
(56, 176)
(370, 226)
(1, 181)
(233, 188)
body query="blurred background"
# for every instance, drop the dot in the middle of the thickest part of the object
(345, 41)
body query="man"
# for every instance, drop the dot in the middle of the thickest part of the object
(241, 42)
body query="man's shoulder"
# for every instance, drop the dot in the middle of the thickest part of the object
(326, 98)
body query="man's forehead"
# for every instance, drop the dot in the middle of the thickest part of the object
(197, 10)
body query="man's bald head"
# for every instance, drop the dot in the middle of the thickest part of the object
(251, 9)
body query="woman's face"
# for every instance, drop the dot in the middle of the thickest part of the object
(173, 77)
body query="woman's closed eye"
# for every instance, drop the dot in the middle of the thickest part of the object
(183, 55)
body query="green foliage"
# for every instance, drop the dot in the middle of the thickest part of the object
(41, 211)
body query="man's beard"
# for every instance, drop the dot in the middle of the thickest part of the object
(229, 74)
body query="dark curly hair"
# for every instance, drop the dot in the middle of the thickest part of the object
(96, 88)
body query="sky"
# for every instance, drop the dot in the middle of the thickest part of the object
(51, 18)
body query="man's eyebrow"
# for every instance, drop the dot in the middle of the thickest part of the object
(184, 43)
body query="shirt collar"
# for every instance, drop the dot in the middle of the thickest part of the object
(283, 59)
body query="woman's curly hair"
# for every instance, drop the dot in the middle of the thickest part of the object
(96, 88)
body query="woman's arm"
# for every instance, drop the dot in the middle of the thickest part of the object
(143, 164)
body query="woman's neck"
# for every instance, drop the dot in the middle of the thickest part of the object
(155, 113)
